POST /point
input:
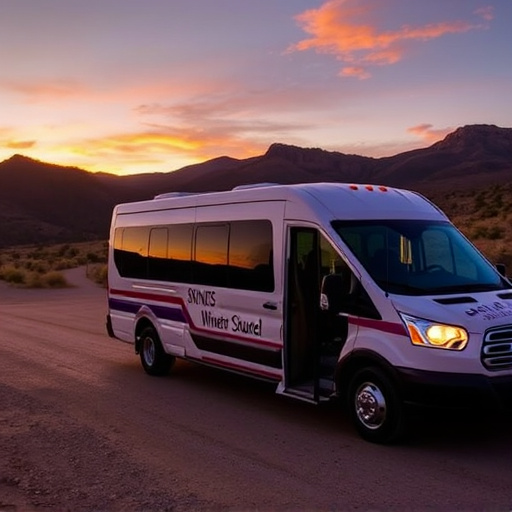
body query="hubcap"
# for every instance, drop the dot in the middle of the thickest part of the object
(370, 405)
(148, 348)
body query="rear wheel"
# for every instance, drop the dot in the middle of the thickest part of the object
(375, 406)
(154, 359)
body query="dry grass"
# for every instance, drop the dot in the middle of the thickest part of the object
(41, 266)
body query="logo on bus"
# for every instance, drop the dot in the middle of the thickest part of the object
(236, 324)
(491, 311)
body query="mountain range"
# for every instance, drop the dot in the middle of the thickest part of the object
(45, 203)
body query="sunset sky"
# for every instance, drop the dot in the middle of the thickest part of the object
(132, 86)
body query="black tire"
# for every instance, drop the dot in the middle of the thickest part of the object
(154, 359)
(375, 406)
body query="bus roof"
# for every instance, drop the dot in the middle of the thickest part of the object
(341, 200)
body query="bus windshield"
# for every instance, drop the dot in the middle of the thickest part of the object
(415, 257)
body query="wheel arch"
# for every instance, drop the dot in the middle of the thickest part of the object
(357, 360)
(141, 324)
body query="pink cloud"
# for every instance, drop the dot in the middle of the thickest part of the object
(427, 133)
(343, 28)
(50, 89)
(487, 12)
(355, 71)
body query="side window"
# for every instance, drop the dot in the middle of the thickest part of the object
(250, 255)
(341, 288)
(179, 253)
(157, 254)
(237, 254)
(211, 255)
(131, 258)
(330, 260)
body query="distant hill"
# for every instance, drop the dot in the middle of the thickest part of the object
(45, 203)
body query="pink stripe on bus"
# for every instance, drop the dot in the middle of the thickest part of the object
(378, 325)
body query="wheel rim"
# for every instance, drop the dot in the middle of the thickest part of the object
(370, 406)
(149, 351)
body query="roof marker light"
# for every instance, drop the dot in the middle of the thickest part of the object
(353, 187)
(369, 187)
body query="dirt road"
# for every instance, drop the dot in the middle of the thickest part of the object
(83, 428)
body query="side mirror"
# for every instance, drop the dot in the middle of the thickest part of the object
(502, 269)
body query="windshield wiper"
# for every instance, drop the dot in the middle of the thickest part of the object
(407, 289)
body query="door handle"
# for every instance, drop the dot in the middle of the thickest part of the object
(270, 305)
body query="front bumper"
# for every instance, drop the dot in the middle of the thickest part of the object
(455, 390)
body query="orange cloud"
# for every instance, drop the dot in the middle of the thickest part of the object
(9, 139)
(340, 28)
(163, 146)
(22, 144)
(428, 134)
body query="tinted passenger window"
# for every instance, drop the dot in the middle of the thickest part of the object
(211, 255)
(157, 254)
(131, 256)
(236, 254)
(179, 266)
(250, 255)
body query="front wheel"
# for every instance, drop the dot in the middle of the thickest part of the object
(375, 406)
(154, 359)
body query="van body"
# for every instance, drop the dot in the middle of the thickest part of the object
(360, 292)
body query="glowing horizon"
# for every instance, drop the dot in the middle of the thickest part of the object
(122, 88)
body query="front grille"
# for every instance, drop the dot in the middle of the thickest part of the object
(497, 348)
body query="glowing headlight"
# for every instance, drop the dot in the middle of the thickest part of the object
(431, 334)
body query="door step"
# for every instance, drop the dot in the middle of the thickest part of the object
(305, 391)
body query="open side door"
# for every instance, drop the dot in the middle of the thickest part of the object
(311, 347)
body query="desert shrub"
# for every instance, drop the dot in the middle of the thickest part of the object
(40, 267)
(72, 252)
(92, 257)
(34, 266)
(38, 253)
(489, 212)
(35, 280)
(98, 274)
(480, 201)
(63, 264)
(67, 251)
(54, 279)
(13, 275)
(495, 233)
(498, 202)
(488, 232)
(478, 232)
(61, 251)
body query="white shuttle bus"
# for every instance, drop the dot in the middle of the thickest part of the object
(360, 292)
